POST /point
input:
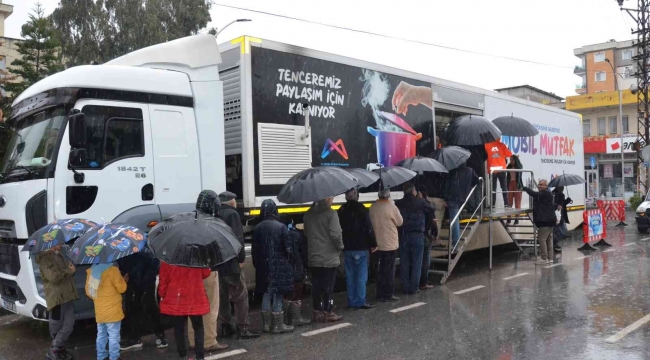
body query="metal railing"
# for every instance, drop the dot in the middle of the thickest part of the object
(494, 192)
(451, 247)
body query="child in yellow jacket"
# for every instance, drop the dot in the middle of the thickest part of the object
(105, 286)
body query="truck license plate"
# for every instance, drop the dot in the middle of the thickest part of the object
(9, 305)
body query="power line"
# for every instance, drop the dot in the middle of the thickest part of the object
(396, 37)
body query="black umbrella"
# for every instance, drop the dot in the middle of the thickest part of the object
(193, 240)
(394, 175)
(451, 157)
(422, 164)
(514, 126)
(471, 130)
(316, 183)
(364, 177)
(566, 180)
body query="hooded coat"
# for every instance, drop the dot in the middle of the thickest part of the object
(58, 282)
(324, 236)
(271, 252)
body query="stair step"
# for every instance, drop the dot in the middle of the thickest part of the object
(520, 233)
(439, 260)
(438, 272)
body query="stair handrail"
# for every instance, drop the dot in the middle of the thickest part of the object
(479, 208)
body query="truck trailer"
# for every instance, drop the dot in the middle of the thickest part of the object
(136, 139)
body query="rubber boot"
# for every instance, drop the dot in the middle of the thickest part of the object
(266, 321)
(286, 305)
(295, 316)
(279, 326)
(227, 330)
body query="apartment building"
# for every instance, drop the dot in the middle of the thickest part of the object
(603, 131)
(534, 94)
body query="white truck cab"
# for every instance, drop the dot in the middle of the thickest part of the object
(133, 140)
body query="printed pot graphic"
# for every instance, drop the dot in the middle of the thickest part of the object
(393, 146)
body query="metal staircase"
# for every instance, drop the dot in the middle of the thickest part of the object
(455, 251)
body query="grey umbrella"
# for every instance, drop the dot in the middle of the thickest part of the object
(364, 177)
(514, 126)
(451, 157)
(422, 164)
(316, 183)
(394, 175)
(471, 130)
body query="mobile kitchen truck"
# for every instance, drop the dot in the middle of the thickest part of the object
(136, 139)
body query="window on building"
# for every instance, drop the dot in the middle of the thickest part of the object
(626, 125)
(601, 76)
(602, 127)
(599, 57)
(613, 125)
(586, 127)
(627, 54)
(627, 73)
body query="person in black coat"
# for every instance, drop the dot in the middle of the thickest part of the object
(358, 239)
(559, 231)
(430, 233)
(298, 242)
(273, 271)
(142, 314)
(232, 285)
(544, 217)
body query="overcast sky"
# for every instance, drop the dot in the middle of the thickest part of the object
(541, 31)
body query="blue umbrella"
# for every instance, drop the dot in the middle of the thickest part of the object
(57, 233)
(107, 243)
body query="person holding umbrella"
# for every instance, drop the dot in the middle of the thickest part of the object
(358, 239)
(231, 278)
(324, 246)
(58, 284)
(105, 286)
(544, 216)
(457, 188)
(559, 230)
(386, 218)
(273, 271)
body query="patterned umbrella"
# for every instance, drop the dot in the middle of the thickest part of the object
(107, 243)
(57, 233)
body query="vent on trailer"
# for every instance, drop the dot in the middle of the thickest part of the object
(283, 151)
(232, 110)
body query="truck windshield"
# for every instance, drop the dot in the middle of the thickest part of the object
(32, 142)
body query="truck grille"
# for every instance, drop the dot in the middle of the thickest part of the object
(9, 260)
(10, 291)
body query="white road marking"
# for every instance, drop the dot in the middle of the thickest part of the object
(630, 244)
(645, 239)
(407, 307)
(581, 258)
(468, 290)
(515, 276)
(552, 266)
(226, 354)
(330, 328)
(623, 333)
(610, 250)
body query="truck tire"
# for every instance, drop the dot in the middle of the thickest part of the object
(642, 230)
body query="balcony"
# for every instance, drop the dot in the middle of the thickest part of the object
(581, 88)
(579, 70)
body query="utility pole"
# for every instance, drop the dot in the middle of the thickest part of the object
(642, 17)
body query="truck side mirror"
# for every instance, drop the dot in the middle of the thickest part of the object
(77, 131)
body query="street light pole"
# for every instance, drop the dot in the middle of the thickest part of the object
(230, 23)
(620, 116)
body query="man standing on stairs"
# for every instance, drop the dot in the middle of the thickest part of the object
(459, 184)
(497, 154)
(545, 220)
(414, 211)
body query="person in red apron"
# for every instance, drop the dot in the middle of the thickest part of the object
(497, 153)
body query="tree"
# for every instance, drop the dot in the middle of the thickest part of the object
(101, 30)
(39, 53)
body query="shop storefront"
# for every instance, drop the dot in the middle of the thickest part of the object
(604, 170)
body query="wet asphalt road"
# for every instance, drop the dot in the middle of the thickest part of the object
(563, 312)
